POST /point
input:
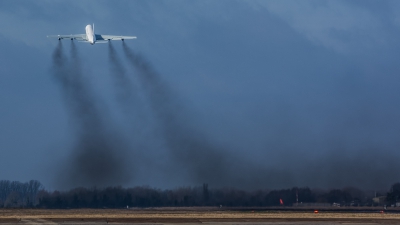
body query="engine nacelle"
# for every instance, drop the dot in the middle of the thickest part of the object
(59, 38)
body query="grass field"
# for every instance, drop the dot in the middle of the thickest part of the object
(177, 215)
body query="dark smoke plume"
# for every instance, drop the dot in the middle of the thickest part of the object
(98, 157)
(124, 86)
(191, 151)
(202, 160)
(197, 156)
(127, 93)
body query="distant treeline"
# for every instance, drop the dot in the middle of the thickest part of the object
(17, 194)
(118, 197)
(32, 194)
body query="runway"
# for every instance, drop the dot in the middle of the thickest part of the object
(42, 221)
(192, 216)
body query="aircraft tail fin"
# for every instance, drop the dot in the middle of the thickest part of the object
(93, 29)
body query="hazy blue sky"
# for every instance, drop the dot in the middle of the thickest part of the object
(306, 90)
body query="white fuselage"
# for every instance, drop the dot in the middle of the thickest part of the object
(91, 37)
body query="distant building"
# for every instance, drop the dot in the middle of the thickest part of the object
(311, 204)
(380, 200)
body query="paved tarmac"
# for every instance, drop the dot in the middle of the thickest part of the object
(42, 221)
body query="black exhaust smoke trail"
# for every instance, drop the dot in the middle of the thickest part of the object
(127, 93)
(124, 86)
(128, 98)
(98, 156)
(370, 167)
(190, 150)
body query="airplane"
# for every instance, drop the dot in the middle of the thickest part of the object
(91, 37)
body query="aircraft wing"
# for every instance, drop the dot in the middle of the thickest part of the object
(101, 37)
(80, 37)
